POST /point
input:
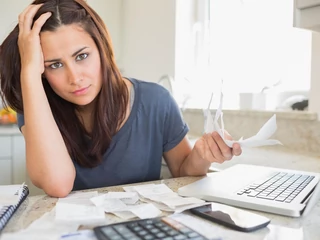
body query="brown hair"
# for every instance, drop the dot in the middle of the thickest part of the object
(111, 102)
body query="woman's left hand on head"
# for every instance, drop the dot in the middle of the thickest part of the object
(212, 148)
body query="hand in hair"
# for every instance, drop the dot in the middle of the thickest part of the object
(29, 39)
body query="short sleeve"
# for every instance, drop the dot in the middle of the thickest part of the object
(175, 129)
(20, 118)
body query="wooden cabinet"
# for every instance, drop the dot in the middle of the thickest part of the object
(307, 14)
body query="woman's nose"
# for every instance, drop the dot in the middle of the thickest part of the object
(73, 75)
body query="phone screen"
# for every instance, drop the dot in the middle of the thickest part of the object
(232, 217)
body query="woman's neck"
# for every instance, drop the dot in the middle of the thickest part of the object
(84, 114)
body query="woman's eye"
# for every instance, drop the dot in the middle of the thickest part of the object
(82, 56)
(56, 65)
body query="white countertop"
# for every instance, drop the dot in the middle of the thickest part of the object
(281, 227)
(9, 130)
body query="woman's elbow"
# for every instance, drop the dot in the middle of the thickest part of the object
(58, 189)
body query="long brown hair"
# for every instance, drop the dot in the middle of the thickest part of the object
(85, 148)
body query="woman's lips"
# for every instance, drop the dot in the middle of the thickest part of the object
(81, 91)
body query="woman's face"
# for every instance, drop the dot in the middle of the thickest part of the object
(72, 64)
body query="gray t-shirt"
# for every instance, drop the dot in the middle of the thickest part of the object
(155, 126)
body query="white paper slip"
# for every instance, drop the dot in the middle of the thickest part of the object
(145, 210)
(161, 197)
(109, 205)
(82, 214)
(81, 198)
(120, 209)
(132, 188)
(178, 201)
(125, 197)
(47, 223)
(260, 139)
(159, 205)
(125, 215)
(150, 190)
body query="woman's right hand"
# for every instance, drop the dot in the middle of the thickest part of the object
(29, 39)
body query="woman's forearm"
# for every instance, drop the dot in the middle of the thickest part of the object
(48, 161)
(194, 165)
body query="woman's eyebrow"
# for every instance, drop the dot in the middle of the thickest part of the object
(59, 59)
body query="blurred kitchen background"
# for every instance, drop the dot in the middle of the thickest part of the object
(263, 54)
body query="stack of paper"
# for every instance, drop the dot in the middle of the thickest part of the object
(125, 205)
(164, 198)
(77, 207)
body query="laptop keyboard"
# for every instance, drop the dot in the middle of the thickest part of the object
(280, 186)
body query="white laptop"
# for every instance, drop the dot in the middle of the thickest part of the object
(280, 191)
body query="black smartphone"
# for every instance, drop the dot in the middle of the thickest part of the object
(231, 217)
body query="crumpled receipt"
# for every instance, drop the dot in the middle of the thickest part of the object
(260, 139)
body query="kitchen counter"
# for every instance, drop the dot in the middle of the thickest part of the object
(280, 228)
(11, 129)
(275, 156)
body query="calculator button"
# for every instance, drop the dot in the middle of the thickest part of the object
(150, 229)
(133, 224)
(172, 232)
(149, 226)
(128, 235)
(148, 237)
(160, 224)
(121, 229)
(180, 237)
(136, 228)
(111, 234)
(108, 231)
(160, 235)
(154, 230)
(115, 237)
(193, 234)
(142, 233)
(165, 228)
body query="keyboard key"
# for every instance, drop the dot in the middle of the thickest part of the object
(283, 187)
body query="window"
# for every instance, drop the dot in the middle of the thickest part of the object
(249, 44)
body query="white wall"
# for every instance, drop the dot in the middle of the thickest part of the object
(9, 12)
(109, 10)
(142, 32)
(111, 13)
(148, 38)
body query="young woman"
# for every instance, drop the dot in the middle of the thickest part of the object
(85, 125)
